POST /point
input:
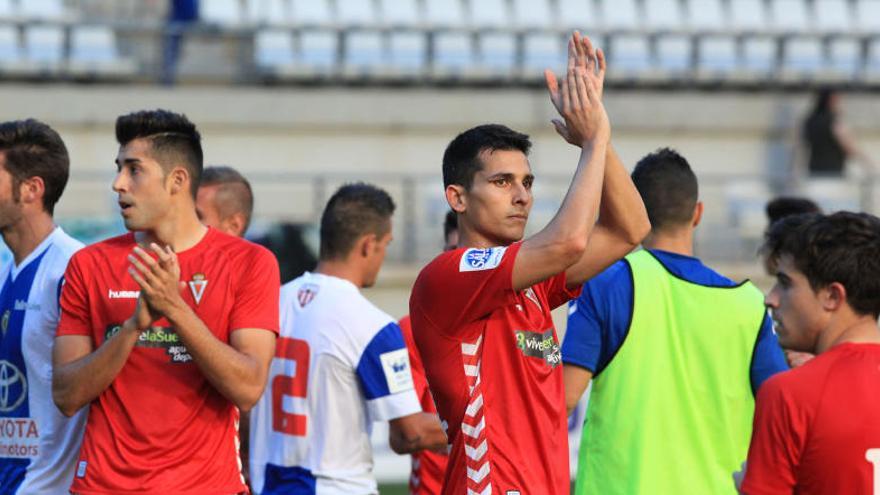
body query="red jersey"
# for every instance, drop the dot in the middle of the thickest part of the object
(428, 468)
(492, 359)
(816, 428)
(161, 427)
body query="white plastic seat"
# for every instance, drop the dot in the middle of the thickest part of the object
(543, 51)
(619, 14)
(577, 14)
(748, 15)
(355, 13)
(663, 15)
(758, 57)
(497, 53)
(802, 58)
(267, 12)
(311, 13)
(832, 16)
(673, 55)
(871, 65)
(716, 57)
(363, 53)
(844, 58)
(10, 50)
(273, 50)
(225, 13)
(407, 52)
(453, 54)
(400, 13)
(44, 10)
(489, 14)
(867, 16)
(705, 15)
(629, 56)
(44, 47)
(444, 13)
(93, 52)
(318, 52)
(789, 16)
(532, 14)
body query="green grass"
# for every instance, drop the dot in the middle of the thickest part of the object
(393, 489)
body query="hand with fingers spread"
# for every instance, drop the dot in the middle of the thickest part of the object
(579, 98)
(159, 280)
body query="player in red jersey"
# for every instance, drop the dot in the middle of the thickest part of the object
(165, 331)
(481, 313)
(428, 468)
(815, 428)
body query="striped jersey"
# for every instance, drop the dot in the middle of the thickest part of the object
(340, 364)
(38, 445)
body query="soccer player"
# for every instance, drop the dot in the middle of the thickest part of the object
(428, 468)
(481, 313)
(38, 445)
(341, 364)
(675, 351)
(815, 427)
(225, 200)
(167, 331)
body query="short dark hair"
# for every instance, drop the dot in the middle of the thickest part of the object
(461, 160)
(841, 247)
(234, 194)
(779, 208)
(450, 223)
(668, 187)
(354, 210)
(33, 149)
(173, 138)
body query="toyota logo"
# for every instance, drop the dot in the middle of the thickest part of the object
(13, 386)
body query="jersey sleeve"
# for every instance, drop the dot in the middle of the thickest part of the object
(767, 359)
(75, 315)
(599, 319)
(420, 379)
(257, 296)
(778, 438)
(385, 375)
(465, 285)
(558, 292)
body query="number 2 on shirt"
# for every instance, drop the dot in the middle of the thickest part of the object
(290, 386)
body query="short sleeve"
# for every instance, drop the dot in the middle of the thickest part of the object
(777, 442)
(75, 315)
(420, 380)
(385, 375)
(464, 285)
(257, 296)
(558, 292)
(768, 358)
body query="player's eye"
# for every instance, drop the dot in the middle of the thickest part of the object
(528, 183)
(502, 182)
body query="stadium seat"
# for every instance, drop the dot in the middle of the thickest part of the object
(11, 62)
(867, 16)
(705, 15)
(533, 14)
(407, 53)
(492, 14)
(663, 15)
(317, 53)
(93, 53)
(268, 12)
(844, 60)
(223, 13)
(444, 13)
(758, 60)
(871, 67)
(44, 47)
(747, 15)
(629, 57)
(453, 55)
(577, 14)
(802, 58)
(357, 13)
(363, 54)
(620, 15)
(400, 13)
(716, 58)
(832, 16)
(789, 16)
(44, 10)
(543, 51)
(273, 52)
(497, 55)
(314, 13)
(674, 58)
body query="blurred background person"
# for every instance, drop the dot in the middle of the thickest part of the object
(225, 200)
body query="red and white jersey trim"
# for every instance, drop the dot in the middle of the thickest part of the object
(473, 425)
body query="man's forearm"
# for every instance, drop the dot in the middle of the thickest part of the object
(77, 383)
(622, 209)
(239, 377)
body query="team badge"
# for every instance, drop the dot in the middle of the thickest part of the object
(4, 322)
(305, 294)
(481, 259)
(197, 286)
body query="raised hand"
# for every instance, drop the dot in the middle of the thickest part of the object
(159, 280)
(579, 98)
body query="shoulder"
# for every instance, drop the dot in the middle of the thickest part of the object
(237, 247)
(115, 246)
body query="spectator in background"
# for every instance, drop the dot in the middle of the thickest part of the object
(225, 200)
(181, 14)
(829, 142)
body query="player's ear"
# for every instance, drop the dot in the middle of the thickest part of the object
(31, 190)
(179, 179)
(698, 214)
(456, 197)
(366, 245)
(235, 224)
(833, 297)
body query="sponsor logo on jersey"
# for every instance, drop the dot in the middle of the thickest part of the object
(161, 337)
(197, 286)
(13, 386)
(481, 259)
(306, 294)
(22, 305)
(395, 364)
(539, 345)
(19, 438)
(123, 294)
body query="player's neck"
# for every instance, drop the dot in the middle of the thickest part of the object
(341, 269)
(180, 232)
(472, 239)
(23, 237)
(857, 329)
(680, 241)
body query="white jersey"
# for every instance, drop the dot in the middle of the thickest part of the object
(38, 445)
(340, 365)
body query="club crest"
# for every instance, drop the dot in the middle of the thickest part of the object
(305, 294)
(197, 286)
